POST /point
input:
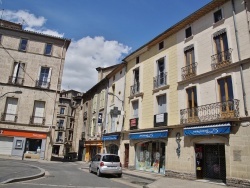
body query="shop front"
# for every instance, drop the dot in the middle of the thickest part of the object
(92, 148)
(111, 143)
(25, 144)
(150, 150)
(210, 151)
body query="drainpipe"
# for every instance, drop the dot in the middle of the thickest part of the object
(105, 112)
(241, 66)
(123, 103)
(246, 10)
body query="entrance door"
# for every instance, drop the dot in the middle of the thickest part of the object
(210, 161)
(126, 158)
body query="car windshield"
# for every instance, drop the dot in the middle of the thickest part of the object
(111, 158)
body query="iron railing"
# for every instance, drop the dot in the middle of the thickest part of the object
(16, 80)
(43, 84)
(59, 140)
(135, 89)
(35, 120)
(9, 117)
(210, 112)
(189, 71)
(221, 59)
(160, 80)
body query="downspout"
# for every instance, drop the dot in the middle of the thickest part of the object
(241, 66)
(246, 10)
(105, 111)
(123, 103)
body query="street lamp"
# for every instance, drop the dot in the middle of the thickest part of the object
(16, 92)
(109, 93)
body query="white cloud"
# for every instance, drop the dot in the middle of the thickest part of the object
(84, 56)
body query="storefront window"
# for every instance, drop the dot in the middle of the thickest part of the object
(150, 156)
(113, 149)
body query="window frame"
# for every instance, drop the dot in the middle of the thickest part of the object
(133, 115)
(161, 45)
(45, 49)
(186, 32)
(137, 60)
(159, 107)
(214, 15)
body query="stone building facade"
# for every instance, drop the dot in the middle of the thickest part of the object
(30, 80)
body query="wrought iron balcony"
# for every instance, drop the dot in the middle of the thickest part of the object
(221, 59)
(135, 89)
(59, 140)
(43, 84)
(160, 80)
(9, 117)
(16, 80)
(210, 112)
(35, 120)
(188, 71)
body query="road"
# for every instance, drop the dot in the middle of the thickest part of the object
(75, 175)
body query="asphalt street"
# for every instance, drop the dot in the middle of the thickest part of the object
(72, 175)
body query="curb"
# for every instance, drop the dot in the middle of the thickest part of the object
(25, 178)
(138, 176)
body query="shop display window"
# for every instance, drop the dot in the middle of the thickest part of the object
(150, 156)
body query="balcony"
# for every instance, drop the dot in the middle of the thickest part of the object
(16, 80)
(161, 120)
(59, 140)
(135, 89)
(42, 84)
(60, 128)
(221, 59)
(189, 71)
(160, 80)
(35, 120)
(9, 117)
(210, 112)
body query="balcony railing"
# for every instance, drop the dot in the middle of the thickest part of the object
(189, 71)
(160, 80)
(42, 84)
(35, 120)
(59, 140)
(135, 89)
(221, 59)
(16, 80)
(9, 117)
(210, 112)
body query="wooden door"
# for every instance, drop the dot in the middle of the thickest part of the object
(126, 158)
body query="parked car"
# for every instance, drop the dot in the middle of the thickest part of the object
(106, 164)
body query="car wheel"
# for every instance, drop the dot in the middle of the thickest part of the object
(99, 174)
(119, 175)
(90, 171)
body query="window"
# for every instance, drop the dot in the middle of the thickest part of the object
(111, 158)
(48, 49)
(188, 32)
(221, 45)
(226, 89)
(161, 45)
(161, 76)
(44, 77)
(113, 96)
(38, 112)
(189, 56)
(1, 37)
(23, 44)
(94, 103)
(59, 137)
(93, 128)
(113, 118)
(114, 78)
(136, 86)
(161, 102)
(217, 16)
(62, 110)
(137, 60)
(192, 101)
(10, 109)
(18, 73)
(135, 109)
(61, 123)
(102, 99)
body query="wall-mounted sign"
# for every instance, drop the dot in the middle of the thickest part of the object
(133, 123)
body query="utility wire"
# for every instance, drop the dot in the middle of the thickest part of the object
(26, 72)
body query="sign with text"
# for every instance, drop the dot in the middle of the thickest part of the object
(133, 123)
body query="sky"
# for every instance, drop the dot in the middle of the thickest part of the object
(102, 32)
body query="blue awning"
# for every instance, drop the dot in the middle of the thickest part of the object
(223, 128)
(110, 137)
(149, 134)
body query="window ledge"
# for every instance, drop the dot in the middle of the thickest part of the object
(136, 95)
(160, 88)
(220, 22)
(189, 38)
(101, 108)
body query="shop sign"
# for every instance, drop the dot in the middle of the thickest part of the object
(133, 123)
(148, 135)
(23, 134)
(159, 118)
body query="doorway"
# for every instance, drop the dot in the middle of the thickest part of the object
(210, 161)
(126, 158)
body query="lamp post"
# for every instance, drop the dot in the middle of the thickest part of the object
(16, 92)
(109, 93)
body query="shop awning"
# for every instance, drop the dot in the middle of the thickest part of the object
(149, 134)
(223, 128)
(110, 137)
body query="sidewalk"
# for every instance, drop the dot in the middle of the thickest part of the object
(161, 181)
(14, 171)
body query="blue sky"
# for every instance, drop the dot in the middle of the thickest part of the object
(102, 31)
